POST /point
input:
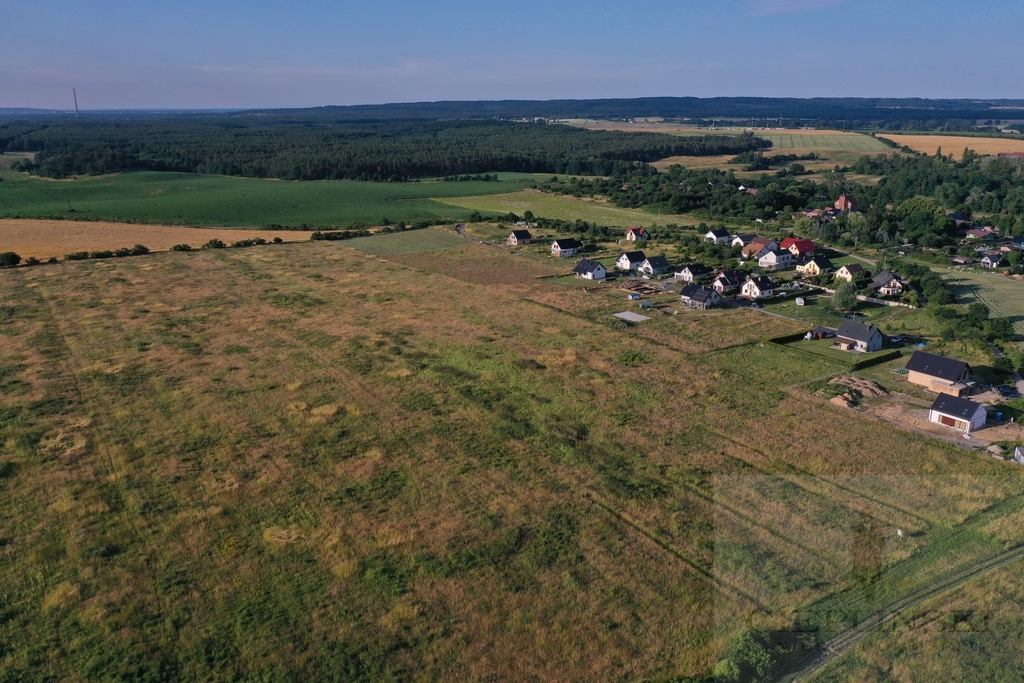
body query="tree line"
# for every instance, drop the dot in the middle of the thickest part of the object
(379, 151)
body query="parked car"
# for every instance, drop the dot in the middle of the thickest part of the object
(1008, 391)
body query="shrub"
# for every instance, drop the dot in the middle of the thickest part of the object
(101, 254)
(32, 261)
(214, 244)
(9, 259)
(181, 247)
(277, 240)
(76, 256)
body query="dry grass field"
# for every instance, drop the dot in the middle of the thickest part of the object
(315, 462)
(954, 145)
(47, 238)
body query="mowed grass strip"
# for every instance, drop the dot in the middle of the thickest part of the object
(564, 208)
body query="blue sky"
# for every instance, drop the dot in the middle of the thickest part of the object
(270, 53)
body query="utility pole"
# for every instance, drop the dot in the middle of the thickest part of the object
(75, 95)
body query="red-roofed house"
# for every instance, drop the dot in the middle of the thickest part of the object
(799, 246)
(847, 203)
(635, 234)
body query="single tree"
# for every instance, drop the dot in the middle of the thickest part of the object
(845, 297)
(8, 259)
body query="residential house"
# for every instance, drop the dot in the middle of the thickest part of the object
(741, 240)
(858, 337)
(939, 374)
(776, 259)
(849, 272)
(757, 288)
(636, 234)
(590, 270)
(692, 272)
(818, 265)
(959, 413)
(847, 203)
(991, 260)
(888, 284)
(705, 299)
(757, 247)
(717, 236)
(565, 247)
(519, 238)
(727, 280)
(630, 260)
(985, 233)
(799, 247)
(653, 265)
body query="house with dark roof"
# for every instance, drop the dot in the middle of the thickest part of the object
(727, 280)
(693, 272)
(590, 270)
(776, 259)
(816, 265)
(742, 240)
(653, 265)
(717, 236)
(565, 247)
(758, 287)
(960, 218)
(858, 337)
(519, 238)
(630, 260)
(939, 374)
(991, 260)
(959, 413)
(699, 297)
(637, 234)
(889, 284)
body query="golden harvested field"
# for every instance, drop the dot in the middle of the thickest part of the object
(312, 462)
(955, 144)
(47, 238)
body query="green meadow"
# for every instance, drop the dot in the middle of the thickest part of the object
(208, 200)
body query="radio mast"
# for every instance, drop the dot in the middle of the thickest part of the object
(75, 94)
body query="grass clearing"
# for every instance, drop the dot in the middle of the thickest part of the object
(409, 242)
(1003, 295)
(560, 207)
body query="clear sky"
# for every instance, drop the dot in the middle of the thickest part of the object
(271, 53)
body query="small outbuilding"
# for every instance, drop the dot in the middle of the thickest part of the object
(959, 413)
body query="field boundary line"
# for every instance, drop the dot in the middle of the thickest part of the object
(664, 545)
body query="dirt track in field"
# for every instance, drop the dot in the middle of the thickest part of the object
(45, 238)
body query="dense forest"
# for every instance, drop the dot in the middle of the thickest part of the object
(272, 148)
(868, 113)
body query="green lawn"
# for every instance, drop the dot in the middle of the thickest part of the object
(207, 200)
(563, 208)
(1003, 295)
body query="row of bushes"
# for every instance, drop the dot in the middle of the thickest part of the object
(137, 250)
